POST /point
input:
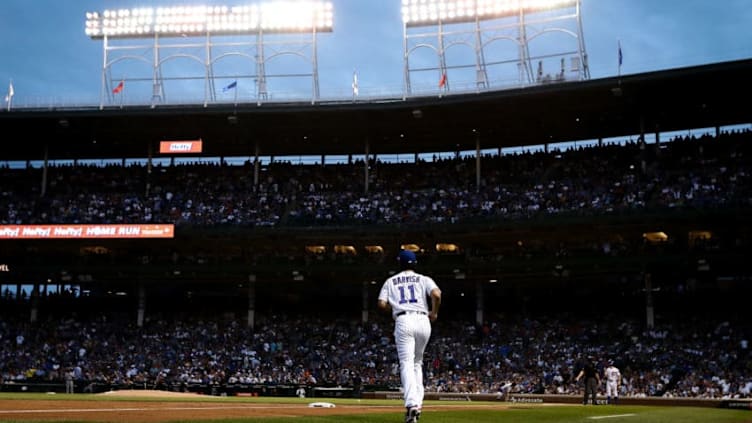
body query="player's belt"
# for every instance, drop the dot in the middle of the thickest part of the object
(410, 312)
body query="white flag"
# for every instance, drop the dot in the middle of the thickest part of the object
(10, 92)
(9, 97)
(355, 84)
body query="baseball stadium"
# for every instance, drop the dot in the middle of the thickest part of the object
(209, 237)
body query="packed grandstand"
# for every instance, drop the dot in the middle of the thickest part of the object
(688, 357)
(687, 173)
(635, 252)
(687, 353)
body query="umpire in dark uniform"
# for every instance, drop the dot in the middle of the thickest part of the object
(592, 380)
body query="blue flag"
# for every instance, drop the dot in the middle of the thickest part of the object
(621, 57)
(232, 85)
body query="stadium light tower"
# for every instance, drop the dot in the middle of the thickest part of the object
(541, 34)
(207, 35)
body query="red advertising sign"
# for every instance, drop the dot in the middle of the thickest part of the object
(180, 147)
(86, 231)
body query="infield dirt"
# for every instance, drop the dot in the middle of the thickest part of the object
(151, 411)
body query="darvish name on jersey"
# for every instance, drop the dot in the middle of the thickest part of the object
(405, 279)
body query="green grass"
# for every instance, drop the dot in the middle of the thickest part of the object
(439, 411)
(537, 414)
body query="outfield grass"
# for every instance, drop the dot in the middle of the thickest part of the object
(434, 411)
(553, 414)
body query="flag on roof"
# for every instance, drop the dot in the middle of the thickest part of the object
(119, 88)
(443, 80)
(9, 96)
(621, 56)
(230, 86)
(355, 84)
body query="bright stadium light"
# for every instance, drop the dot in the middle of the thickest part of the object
(431, 12)
(276, 17)
(477, 23)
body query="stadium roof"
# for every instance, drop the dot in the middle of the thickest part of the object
(677, 99)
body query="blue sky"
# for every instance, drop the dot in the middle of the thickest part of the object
(50, 59)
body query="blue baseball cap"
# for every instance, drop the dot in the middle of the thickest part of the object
(407, 257)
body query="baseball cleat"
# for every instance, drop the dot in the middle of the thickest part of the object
(412, 415)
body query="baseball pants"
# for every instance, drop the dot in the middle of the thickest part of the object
(612, 390)
(411, 334)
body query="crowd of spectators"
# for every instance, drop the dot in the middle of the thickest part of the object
(691, 357)
(681, 357)
(697, 357)
(685, 173)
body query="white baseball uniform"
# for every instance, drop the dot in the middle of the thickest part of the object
(612, 381)
(407, 293)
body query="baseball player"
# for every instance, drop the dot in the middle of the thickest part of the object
(406, 294)
(613, 381)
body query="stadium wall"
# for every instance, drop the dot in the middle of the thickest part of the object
(263, 390)
(570, 399)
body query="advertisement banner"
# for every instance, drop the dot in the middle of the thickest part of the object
(180, 147)
(86, 231)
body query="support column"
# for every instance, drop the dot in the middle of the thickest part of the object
(141, 304)
(43, 191)
(256, 168)
(368, 153)
(148, 169)
(649, 310)
(364, 295)
(479, 303)
(251, 320)
(477, 162)
(643, 147)
(34, 297)
(642, 128)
